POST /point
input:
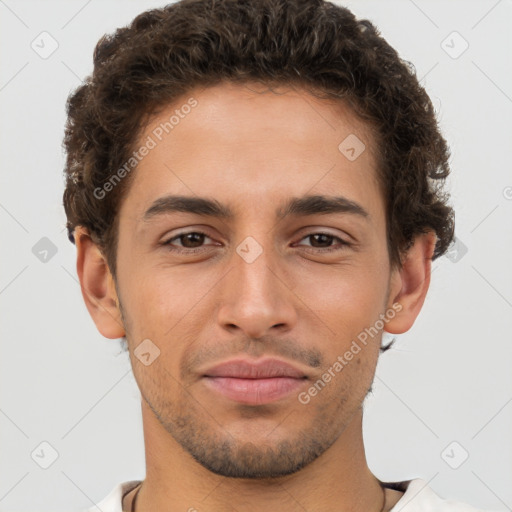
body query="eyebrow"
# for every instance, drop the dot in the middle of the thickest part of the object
(296, 206)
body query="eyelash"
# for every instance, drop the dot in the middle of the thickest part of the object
(342, 243)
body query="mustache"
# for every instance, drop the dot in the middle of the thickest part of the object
(270, 346)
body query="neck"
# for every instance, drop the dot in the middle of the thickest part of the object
(337, 480)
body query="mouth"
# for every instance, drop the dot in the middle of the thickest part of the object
(254, 383)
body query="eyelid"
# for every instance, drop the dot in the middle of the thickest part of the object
(167, 239)
(312, 233)
(320, 230)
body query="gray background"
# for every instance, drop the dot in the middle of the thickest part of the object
(448, 379)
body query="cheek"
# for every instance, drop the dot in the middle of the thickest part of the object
(167, 306)
(347, 297)
(348, 300)
(339, 391)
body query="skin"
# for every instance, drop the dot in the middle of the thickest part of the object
(252, 151)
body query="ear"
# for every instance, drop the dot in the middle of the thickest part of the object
(410, 283)
(98, 287)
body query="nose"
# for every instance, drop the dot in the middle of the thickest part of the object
(256, 297)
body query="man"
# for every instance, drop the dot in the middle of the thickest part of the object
(254, 190)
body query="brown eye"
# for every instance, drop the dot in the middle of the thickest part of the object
(189, 240)
(323, 242)
(320, 238)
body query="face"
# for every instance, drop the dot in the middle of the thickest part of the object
(287, 262)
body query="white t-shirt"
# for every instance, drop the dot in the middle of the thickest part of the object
(418, 497)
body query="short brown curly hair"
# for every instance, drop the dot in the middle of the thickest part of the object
(313, 44)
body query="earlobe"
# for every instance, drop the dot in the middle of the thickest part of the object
(411, 283)
(97, 285)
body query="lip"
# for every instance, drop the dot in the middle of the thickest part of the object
(246, 369)
(254, 383)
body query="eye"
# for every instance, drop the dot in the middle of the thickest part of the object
(322, 242)
(193, 241)
(189, 241)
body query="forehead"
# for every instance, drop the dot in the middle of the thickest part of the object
(248, 146)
